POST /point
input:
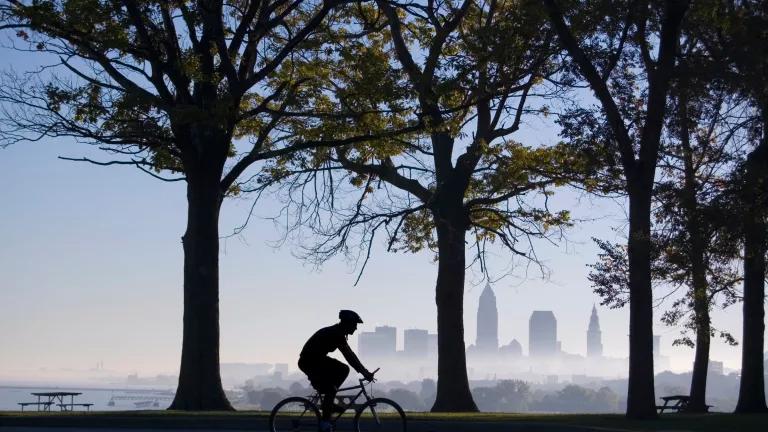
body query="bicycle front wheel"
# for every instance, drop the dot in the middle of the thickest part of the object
(294, 414)
(380, 415)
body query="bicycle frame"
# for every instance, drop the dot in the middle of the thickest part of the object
(347, 399)
(316, 398)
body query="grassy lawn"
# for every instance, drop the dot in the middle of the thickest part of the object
(668, 422)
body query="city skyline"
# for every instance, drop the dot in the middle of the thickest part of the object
(383, 340)
(85, 276)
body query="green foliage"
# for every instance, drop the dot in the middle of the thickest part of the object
(466, 84)
(574, 398)
(505, 396)
(148, 79)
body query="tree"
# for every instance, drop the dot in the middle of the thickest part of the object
(505, 396)
(168, 86)
(408, 400)
(577, 399)
(466, 71)
(598, 40)
(738, 37)
(697, 168)
(692, 245)
(734, 36)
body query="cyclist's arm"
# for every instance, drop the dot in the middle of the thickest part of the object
(352, 359)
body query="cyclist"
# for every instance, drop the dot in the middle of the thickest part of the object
(326, 374)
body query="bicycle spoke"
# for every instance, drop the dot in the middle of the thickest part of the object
(294, 415)
(380, 415)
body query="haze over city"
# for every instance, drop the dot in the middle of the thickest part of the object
(327, 215)
(91, 259)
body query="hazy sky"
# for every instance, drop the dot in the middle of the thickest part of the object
(91, 270)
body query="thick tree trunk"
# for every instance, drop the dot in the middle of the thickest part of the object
(453, 394)
(200, 385)
(752, 386)
(641, 400)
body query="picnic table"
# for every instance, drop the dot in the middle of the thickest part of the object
(674, 403)
(46, 399)
(677, 403)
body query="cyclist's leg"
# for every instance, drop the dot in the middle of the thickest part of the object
(336, 372)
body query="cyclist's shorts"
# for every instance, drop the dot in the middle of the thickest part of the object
(324, 373)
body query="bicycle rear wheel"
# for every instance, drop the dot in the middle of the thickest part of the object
(294, 414)
(380, 415)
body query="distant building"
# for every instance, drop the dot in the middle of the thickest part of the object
(280, 368)
(542, 334)
(514, 349)
(381, 342)
(432, 345)
(716, 367)
(594, 336)
(416, 342)
(487, 322)
(581, 379)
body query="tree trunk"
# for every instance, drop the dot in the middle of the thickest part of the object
(453, 394)
(752, 386)
(641, 400)
(701, 311)
(200, 385)
(696, 258)
(701, 360)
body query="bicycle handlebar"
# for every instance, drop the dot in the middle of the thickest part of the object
(372, 373)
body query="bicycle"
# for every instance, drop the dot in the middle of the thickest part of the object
(301, 414)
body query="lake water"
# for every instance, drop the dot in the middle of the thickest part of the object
(124, 399)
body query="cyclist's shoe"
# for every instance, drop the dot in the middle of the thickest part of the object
(338, 408)
(326, 426)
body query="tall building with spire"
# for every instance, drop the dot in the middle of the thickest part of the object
(594, 336)
(487, 322)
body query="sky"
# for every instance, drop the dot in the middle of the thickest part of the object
(91, 271)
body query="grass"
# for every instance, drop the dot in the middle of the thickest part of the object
(713, 422)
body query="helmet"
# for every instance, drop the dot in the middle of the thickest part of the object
(349, 316)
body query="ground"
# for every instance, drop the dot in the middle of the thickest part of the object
(147, 421)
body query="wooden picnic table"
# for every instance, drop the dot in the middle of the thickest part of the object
(677, 403)
(674, 403)
(46, 399)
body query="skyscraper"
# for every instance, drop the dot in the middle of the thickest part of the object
(542, 334)
(487, 322)
(432, 345)
(416, 342)
(380, 342)
(594, 336)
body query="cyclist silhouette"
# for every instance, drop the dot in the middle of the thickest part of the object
(326, 374)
